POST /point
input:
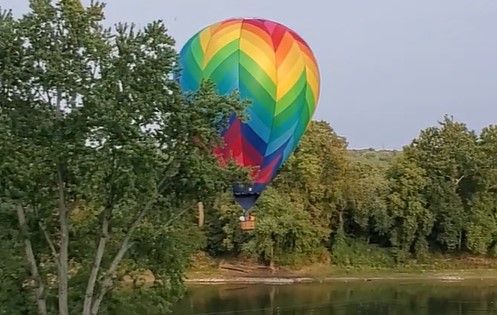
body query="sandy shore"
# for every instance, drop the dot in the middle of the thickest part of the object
(447, 269)
(446, 276)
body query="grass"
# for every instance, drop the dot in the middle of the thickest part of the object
(444, 267)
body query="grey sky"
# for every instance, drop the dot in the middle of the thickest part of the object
(389, 68)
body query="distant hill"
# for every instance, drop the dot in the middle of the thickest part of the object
(378, 158)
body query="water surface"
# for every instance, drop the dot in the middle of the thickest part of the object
(427, 297)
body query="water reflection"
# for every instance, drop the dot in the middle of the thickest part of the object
(372, 298)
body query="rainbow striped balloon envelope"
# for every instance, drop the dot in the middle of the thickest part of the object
(275, 70)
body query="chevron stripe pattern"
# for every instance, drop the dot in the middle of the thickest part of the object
(272, 67)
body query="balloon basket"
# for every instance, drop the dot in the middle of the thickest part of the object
(248, 223)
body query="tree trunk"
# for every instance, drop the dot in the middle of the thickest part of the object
(200, 214)
(340, 221)
(64, 245)
(90, 288)
(125, 245)
(460, 241)
(107, 281)
(30, 257)
(271, 259)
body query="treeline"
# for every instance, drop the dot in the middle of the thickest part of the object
(437, 195)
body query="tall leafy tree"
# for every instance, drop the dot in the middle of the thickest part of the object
(284, 231)
(365, 191)
(314, 174)
(101, 154)
(448, 155)
(412, 221)
(482, 229)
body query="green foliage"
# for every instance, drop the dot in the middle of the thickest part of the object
(440, 197)
(314, 177)
(222, 230)
(482, 230)
(13, 299)
(411, 220)
(438, 194)
(284, 231)
(379, 158)
(294, 216)
(102, 153)
(365, 207)
(106, 158)
(355, 252)
(448, 155)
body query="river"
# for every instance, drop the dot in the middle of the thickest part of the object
(426, 297)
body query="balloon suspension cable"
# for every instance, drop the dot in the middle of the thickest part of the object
(246, 216)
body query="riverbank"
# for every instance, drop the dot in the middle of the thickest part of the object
(449, 276)
(225, 271)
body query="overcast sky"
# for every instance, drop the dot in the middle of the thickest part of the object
(388, 68)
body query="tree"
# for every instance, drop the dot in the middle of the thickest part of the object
(12, 297)
(412, 221)
(365, 191)
(223, 233)
(284, 231)
(98, 141)
(448, 156)
(297, 208)
(314, 175)
(482, 230)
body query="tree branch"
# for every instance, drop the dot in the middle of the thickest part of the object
(104, 236)
(50, 243)
(125, 246)
(107, 280)
(106, 284)
(90, 288)
(64, 245)
(30, 257)
(177, 216)
(459, 180)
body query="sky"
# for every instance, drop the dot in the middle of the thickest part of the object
(389, 68)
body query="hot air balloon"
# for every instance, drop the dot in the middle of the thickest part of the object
(275, 70)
